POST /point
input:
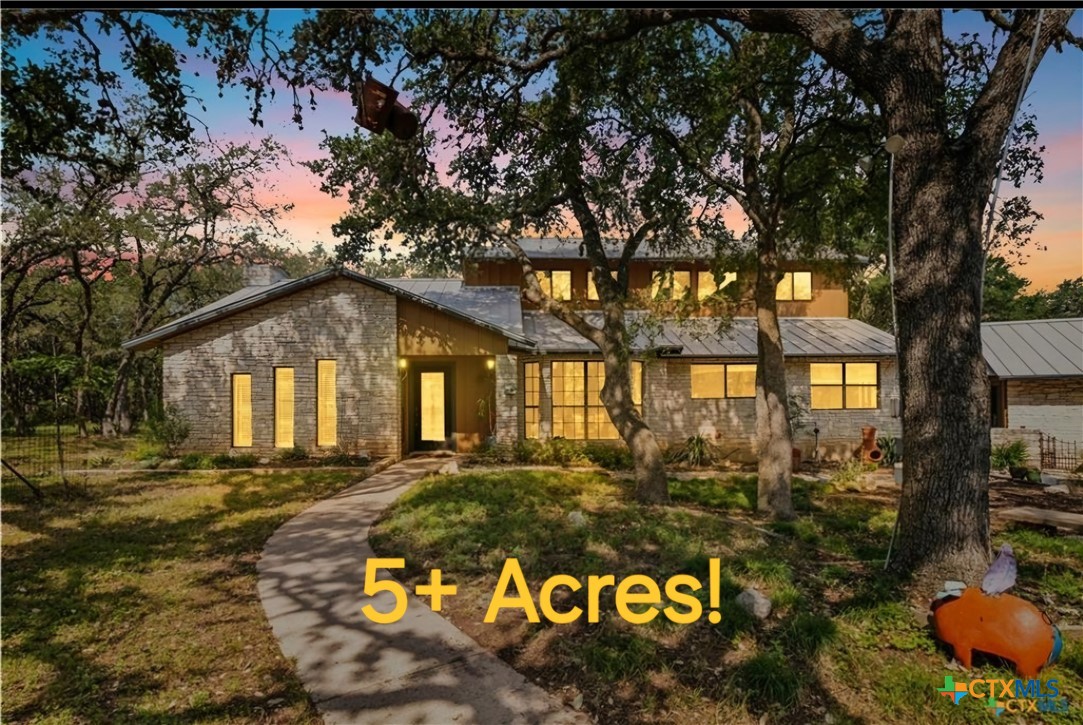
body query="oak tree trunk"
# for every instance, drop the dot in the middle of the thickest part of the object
(944, 510)
(774, 443)
(650, 471)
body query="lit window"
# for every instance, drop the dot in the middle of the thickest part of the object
(326, 404)
(716, 380)
(670, 284)
(545, 280)
(835, 386)
(740, 381)
(562, 284)
(708, 286)
(795, 286)
(531, 398)
(242, 410)
(592, 289)
(283, 407)
(578, 411)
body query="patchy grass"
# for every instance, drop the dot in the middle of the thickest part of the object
(840, 641)
(137, 600)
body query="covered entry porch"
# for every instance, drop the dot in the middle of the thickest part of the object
(457, 382)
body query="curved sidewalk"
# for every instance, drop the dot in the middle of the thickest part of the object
(420, 669)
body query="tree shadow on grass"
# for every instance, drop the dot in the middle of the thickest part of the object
(80, 590)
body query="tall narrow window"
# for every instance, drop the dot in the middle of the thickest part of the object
(795, 286)
(531, 398)
(242, 410)
(835, 386)
(569, 398)
(326, 404)
(283, 407)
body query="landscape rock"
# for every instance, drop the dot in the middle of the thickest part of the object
(450, 468)
(578, 519)
(264, 461)
(171, 463)
(1058, 488)
(755, 603)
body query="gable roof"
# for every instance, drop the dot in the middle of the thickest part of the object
(500, 306)
(1034, 348)
(250, 297)
(699, 337)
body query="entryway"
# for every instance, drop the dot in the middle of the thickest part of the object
(432, 406)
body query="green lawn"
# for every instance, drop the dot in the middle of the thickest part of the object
(137, 602)
(841, 641)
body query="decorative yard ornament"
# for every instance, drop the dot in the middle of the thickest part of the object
(379, 109)
(987, 620)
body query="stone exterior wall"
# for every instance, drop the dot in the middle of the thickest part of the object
(343, 320)
(509, 400)
(673, 414)
(1052, 406)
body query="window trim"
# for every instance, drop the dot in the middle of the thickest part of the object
(233, 411)
(587, 404)
(725, 381)
(844, 384)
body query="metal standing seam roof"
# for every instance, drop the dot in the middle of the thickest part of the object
(257, 295)
(500, 306)
(700, 337)
(556, 248)
(1034, 348)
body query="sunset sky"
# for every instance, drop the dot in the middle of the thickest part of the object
(1055, 94)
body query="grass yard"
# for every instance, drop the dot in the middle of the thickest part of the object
(137, 602)
(841, 641)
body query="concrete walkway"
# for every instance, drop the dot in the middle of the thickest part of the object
(420, 669)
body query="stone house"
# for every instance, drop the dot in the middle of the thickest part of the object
(1035, 380)
(391, 366)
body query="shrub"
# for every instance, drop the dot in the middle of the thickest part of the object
(297, 453)
(196, 461)
(696, 451)
(1008, 455)
(339, 456)
(494, 453)
(611, 456)
(169, 430)
(849, 475)
(553, 452)
(886, 444)
(243, 460)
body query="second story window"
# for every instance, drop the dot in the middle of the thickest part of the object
(670, 284)
(795, 286)
(556, 283)
(592, 289)
(707, 286)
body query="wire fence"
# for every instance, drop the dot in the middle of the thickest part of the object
(48, 452)
(1057, 455)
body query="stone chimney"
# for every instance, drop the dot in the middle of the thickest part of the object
(263, 275)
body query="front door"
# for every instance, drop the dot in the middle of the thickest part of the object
(432, 415)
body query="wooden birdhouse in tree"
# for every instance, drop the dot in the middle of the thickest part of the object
(379, 109)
